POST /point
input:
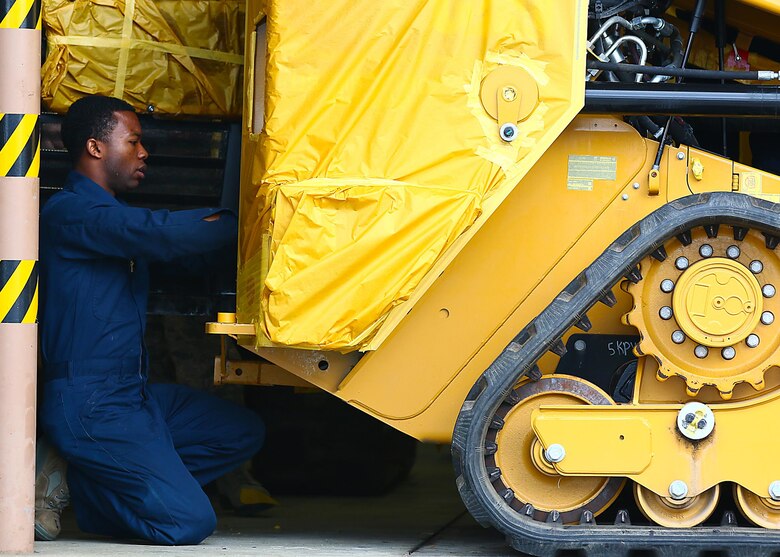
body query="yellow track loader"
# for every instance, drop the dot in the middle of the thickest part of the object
(503, 224)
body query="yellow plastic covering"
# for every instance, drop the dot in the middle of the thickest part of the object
(179, 57)
(377, 152)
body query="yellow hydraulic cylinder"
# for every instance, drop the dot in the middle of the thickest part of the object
(20, 65)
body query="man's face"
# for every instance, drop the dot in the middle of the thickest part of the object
(125, 156)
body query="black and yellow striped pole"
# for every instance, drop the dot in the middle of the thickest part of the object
(20, 92)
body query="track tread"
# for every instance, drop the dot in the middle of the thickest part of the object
(543, 334)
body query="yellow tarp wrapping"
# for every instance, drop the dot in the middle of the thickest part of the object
(174, 57)
(377, 153)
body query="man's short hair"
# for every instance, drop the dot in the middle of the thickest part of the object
(90, 117)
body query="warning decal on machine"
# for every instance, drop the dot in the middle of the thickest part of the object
(583, 169)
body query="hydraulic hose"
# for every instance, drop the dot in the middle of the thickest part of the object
(682, 72)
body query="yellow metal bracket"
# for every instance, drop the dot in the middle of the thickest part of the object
(642, 442)
(254, 372)
(226, 326)
(509, 94)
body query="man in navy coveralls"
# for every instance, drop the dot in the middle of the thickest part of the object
(138, 454)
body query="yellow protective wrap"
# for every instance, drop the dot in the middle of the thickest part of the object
(179, 57)
(377, 154)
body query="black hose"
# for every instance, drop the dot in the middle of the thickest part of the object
(695, 22)
(670, 71)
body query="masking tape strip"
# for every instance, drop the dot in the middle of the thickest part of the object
(143, 44)
(18, 291)
(20, 14)
(19, 145)
(124, 52)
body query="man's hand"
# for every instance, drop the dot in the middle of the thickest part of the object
(211, 218)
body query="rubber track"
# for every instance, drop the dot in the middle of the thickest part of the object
(520, 356)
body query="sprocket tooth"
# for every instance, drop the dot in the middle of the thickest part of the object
(771, 241)
(661, 376)
(528, 510)
(584, 324)
(660, 254)
(693, 391)
(726, 395)
(759, 385)
(493, 473)
(491, 448)
(685, 238)
(711, 230)
(608, 299)
(512, 398)
(740, 232)
(558, 348)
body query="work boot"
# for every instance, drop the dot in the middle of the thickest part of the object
(51, 491)
(241, 492)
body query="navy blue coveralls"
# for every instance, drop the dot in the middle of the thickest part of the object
(137, 453)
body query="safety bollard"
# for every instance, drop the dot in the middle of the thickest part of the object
(20, 65)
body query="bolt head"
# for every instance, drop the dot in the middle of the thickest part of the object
(680, 156)
(665, 313)
(507, 132)
(695, 420)
(705, 250)
(774, 490)
(678, 489)
(767, 318)
(728, 353)
(667, 285)
(733, 252)
(701, 352)
(509, 94)
(756, 266)
(768, 290)
(624, 197)
(555, 453)
(753, 340)
(678, 337)
(636, 185)
(580, 345)
(681, 263)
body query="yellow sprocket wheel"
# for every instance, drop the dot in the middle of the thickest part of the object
(520, 456)
(706, 309)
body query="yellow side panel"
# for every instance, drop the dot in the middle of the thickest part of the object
(376, 153)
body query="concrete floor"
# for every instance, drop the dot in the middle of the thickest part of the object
(423, 516)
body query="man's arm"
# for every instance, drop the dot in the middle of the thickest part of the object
(130, 232)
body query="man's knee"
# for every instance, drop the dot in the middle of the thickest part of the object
(188, 529)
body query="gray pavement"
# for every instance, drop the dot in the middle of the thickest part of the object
(423, 517)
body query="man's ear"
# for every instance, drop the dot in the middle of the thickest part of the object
(93, 148)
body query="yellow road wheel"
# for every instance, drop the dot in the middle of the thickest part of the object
(685, 513)
(520, 456)
(760, 511)
(705, 308)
